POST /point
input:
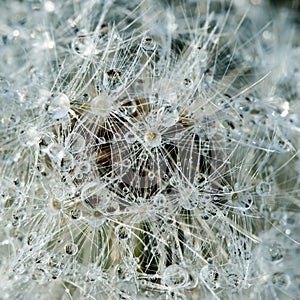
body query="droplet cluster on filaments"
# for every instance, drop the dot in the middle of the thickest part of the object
(153, 165)
(140, 149)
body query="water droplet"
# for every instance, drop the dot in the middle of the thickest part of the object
(148, 44)
(122, 232)
(210, 275)
(188, 83)
(85, 167)
(112, 81)
(55, 272)
(85, 98)
(202, 55)
(151, 175)
(96, 219)
(39, 275)
(101, 105)
(94, 197)
(75, 143)
(159, 201)
(130, 137)
(126, 163)
(58, 106)
(171, 117)
(55, 152)
(233, 280)
(71, 249)
(67, 162)
(91, 275)
(175, 277)
(122, 272)
(19, 268)
(282, 145)
(84, 46)
(280, 279)
(243, 106)
(31, 238)
(276, 252)
(241, 201)
(263, 188)
(76, 213)
(30, 136)
(42, 257)
(190, 202)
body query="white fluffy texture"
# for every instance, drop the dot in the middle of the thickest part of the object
(149, 150)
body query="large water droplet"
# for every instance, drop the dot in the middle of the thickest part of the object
(175, 276)
(58, 106)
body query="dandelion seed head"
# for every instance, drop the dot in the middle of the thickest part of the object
(148, 155)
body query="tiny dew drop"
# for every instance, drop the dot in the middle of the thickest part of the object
(71, 248)
(39, 275)
(246, 202)
(85, 98)
(58, 106)
(188, 83)
(148, 44)
(151, 175)
(276, 252)
(263, 188)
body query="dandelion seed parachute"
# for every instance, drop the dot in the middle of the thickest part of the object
(148, 150)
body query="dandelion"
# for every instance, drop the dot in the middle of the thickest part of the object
(148, 151)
